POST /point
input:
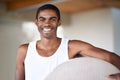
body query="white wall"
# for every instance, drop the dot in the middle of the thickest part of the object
(11, 37)
(95, 27)
(116, 19)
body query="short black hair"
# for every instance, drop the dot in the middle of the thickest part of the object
(48, 6)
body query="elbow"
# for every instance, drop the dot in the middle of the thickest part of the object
(114, 59)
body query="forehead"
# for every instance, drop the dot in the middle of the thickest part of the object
(47, 13)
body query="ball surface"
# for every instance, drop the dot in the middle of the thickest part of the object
(84, 68)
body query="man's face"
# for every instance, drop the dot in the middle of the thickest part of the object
(47, 23)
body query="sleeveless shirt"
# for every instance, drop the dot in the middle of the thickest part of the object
(38, 67)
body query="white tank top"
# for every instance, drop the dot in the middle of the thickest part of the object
(38, 67)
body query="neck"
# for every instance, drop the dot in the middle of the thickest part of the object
(49, 43)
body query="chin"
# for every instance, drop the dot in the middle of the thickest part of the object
(47, 36)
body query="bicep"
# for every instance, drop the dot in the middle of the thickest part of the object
(86, 49)
(89, 50)
(96, 52)
(20, 71)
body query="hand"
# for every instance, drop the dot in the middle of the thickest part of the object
(115, 76)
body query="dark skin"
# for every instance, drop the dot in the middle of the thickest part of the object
(47, 24)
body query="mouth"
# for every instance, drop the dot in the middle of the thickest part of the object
(47, 29)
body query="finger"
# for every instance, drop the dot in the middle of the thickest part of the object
(114, 77)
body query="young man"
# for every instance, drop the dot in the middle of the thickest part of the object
(37, 59)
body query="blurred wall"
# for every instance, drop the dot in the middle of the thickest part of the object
(95, 27)
(116, 25)
(11, 37)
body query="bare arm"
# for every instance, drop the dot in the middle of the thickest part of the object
(20, 72)
(105, 55)
(86, 49)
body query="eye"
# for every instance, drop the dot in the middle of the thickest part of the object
(42, 19)
(53, 19)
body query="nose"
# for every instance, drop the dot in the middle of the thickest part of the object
(47, 23)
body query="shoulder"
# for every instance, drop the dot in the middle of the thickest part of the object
(79, 44)
(78, 47)
(23, 48)
(21, 53)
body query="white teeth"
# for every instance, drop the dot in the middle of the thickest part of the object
(46, 29)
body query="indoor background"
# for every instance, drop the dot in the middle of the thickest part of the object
(93, 21)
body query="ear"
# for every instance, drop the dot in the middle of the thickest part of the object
(36, 22)
(59, 23)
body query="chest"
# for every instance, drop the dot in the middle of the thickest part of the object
(47, 52)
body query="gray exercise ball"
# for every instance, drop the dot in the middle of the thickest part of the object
(84, 68)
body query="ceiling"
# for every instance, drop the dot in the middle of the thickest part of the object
(66, 6)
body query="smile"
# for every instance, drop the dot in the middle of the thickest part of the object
(47, 29)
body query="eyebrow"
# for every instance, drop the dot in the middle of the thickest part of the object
(41, 17)
(50, 17)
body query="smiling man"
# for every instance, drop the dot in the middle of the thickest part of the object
(38, 58)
